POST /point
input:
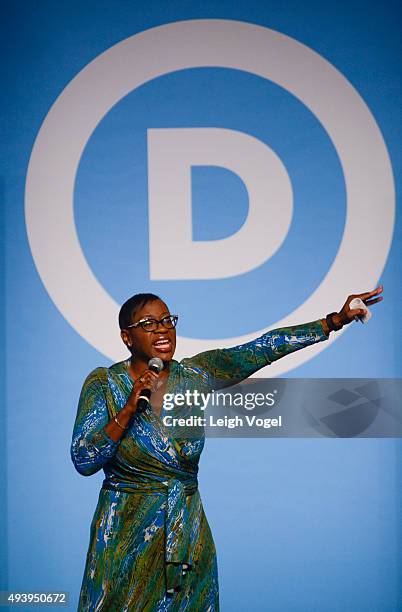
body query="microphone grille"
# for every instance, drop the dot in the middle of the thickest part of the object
(156, 364)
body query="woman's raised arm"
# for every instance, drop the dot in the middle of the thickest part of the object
(223, 367)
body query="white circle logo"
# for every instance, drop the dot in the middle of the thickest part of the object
(56, 154)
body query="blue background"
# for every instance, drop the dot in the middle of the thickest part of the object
(299, 524)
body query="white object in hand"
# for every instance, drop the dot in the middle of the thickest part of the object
(358, 303)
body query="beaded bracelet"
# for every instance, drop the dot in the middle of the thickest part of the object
(332, 326)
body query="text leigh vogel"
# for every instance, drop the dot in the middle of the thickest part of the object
(229, 422)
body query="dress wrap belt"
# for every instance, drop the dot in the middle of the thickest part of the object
(178, 557)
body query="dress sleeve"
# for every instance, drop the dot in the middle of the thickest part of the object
(223, 367)
(91, 447)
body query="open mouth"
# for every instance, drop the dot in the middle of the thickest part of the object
(162, 345)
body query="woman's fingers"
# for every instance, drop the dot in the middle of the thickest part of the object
(369, 294)
(369, 302)
(147, 380)
(356, 312)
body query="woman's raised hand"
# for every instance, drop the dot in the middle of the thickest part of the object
(347, 314)
(147, 380)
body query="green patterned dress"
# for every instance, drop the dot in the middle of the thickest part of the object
(150, 545)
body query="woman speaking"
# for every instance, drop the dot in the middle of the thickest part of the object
(150, 545)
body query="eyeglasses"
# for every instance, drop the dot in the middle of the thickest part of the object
(151, 325)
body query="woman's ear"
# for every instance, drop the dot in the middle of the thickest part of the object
(126, 338)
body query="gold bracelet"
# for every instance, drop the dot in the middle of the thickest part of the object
(117, 422)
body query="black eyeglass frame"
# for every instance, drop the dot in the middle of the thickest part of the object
(174, 319)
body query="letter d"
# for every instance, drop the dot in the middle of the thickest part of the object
(173, 253)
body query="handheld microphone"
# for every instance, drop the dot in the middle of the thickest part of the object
(155, 365)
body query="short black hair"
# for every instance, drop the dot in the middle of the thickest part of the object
(130, 307)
